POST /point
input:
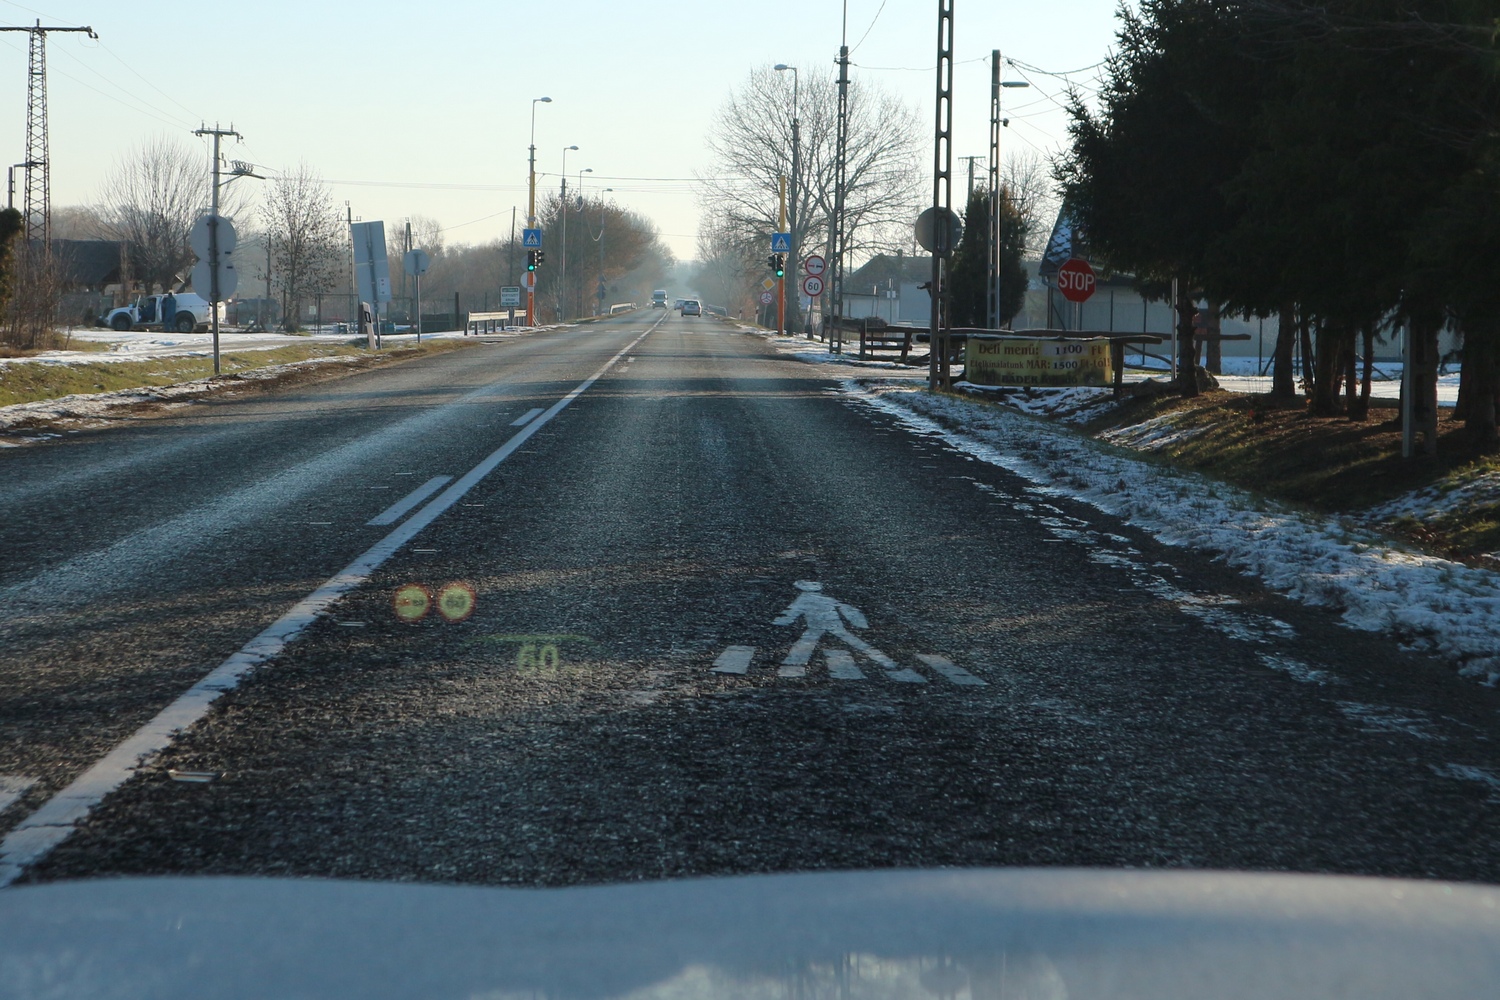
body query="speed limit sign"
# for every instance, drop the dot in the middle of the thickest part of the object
(812, 285)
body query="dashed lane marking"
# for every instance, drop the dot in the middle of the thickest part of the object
(949, 669)
(526, 417)
(734, 660)
(397, 510)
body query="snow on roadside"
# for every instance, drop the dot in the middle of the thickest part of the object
(96, 405)
(1456, 495)
(1429, 604)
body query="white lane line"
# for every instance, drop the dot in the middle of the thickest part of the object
(526, 417)
(906, 675)
(734, 660)
(841, 665)
(949, 669)
(36, 835)
(397, 510)
(12, 787)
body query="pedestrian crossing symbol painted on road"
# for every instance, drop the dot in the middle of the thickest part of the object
(824, 617)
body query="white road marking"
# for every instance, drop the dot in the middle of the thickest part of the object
(906, 675)
(12, 787)
(949, 669)
(824, 616)
(397, 510)
(36, 835)
(526, 417)
(734, 660)
(841, 665)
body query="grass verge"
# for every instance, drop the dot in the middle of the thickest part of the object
(33, 381)
(1330, 464)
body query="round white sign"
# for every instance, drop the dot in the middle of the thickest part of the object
(812, 285)
(814, 265)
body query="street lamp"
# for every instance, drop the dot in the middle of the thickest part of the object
(995, 206)
(531, 203)
(598, 309)
(796, 167)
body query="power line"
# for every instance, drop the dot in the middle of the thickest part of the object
(870, 28)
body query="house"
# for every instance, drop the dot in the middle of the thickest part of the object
(91, 278)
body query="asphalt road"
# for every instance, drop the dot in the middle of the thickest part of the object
(724, 618)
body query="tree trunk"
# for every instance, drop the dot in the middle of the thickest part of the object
(1283, 380)
(1481, 367)
(1369, 372)
(1466, 372)
(1354, 403)
(1423, 382)
(1215, 345)
(1328, 369)
(1309, 370)
(1187, 348)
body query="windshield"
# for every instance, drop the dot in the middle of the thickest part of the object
(1104, 481)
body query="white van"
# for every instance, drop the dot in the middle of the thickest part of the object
(659, 299)
(192, 313)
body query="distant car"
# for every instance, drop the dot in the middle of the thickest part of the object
(677, 304)
(692, 307)
(193, 313)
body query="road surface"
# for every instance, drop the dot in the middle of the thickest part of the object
(644, 599)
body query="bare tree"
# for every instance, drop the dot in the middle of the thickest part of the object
(752, 146)
(150, 202)
(308, 248)
(1031, 192)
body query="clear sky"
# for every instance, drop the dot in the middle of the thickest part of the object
(424, 107)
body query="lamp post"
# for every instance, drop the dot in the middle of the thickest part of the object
(562, 294)
(531, 203)
(996, 208)
(796, 169)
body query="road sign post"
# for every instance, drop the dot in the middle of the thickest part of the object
(416, 263)
(812, 286)
(815, 265)
(1076, 281)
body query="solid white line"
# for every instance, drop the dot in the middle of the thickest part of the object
(35, 836)
(734, 660)
(949, 669)
(841, 665)
(526, 417)
(397, 510)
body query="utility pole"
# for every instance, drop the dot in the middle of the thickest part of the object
(531, 208)
(840, 179)
(781, 281)
(942, 199)
(37, 199)
(992, 291)
(213, 236)
(796, 247)
(970, 196)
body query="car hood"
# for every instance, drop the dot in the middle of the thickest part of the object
(949, 933)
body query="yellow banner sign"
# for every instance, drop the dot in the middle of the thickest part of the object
(1032, 361)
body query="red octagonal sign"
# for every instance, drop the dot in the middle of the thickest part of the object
(1075, 280)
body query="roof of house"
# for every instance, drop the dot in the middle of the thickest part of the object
(88, 262)
(895, 268)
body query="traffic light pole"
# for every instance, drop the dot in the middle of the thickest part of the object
(781, 279)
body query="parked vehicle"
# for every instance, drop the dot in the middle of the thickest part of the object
(192, 313)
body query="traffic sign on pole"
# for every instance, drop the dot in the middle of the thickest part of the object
(814, 265)
(529, 279)
(781, 242)
(531, 239)
(812, 285)
(766, 298)
(200, 240)
(1075, 279)
(510, 296)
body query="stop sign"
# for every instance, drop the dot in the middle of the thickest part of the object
(1075, 280)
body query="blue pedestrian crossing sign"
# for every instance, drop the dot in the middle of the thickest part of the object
(781, 242)
(531, 239)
